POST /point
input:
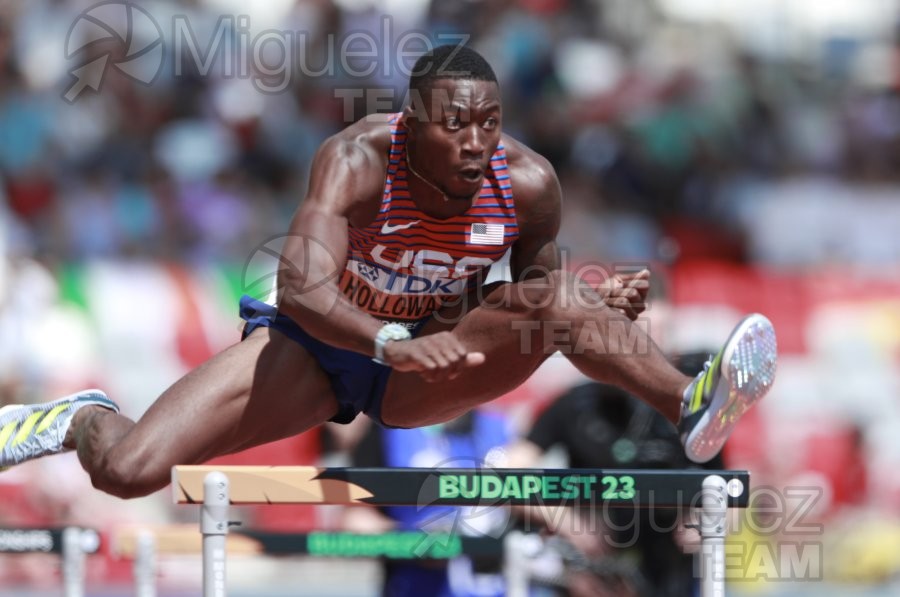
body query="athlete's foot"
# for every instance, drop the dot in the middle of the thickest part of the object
(731, 382)
(34, 430)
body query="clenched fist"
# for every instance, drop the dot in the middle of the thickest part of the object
(436, 357)
(627, 292)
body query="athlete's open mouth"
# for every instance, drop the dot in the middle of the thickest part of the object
(471, 173)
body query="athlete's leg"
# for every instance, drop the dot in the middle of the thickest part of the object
(517, 326)
(260, 390)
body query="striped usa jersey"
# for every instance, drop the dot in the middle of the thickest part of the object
(405, 264)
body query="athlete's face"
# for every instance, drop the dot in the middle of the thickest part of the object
(454, 133)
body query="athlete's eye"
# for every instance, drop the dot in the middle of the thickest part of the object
(453, 122)
(491, 123)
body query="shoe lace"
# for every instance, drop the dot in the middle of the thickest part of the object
(706, 365)
(701, 377)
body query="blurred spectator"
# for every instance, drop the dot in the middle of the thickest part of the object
(653, 117)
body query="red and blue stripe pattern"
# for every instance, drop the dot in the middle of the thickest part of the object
(405, 263)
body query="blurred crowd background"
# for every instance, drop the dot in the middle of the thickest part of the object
(749, 152)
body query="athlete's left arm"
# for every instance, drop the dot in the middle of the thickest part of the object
(538, 212)
(535, 254)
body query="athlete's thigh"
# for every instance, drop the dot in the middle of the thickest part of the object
(263, 389)
(498, 325)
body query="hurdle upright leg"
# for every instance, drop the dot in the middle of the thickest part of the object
(713, 510)
(73, 562)
(145, 564)
(515, 565)
(214, 527)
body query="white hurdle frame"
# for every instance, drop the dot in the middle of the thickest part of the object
(709, 493)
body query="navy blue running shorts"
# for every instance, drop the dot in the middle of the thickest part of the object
(358, 382)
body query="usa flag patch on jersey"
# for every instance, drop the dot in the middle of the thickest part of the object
(486, 234)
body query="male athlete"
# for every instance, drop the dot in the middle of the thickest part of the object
(389, 314)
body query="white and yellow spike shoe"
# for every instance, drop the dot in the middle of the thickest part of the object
(731, 382)
(33, 430)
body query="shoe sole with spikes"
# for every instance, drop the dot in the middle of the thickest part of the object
(746, 374)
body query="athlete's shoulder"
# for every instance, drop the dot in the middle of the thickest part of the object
(533, 177)
(372, 131)
(348, 168)
(366, 140)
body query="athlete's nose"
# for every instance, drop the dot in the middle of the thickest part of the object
(473, 144)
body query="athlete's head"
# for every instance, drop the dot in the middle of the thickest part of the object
(453, 119)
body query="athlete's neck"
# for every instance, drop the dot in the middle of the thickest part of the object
(430, 199)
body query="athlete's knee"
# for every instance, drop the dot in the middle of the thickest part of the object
(124, 477)
(563, 296)
(532, 298)
(557, 295)
(553, 295)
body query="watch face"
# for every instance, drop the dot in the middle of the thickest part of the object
(396, 332)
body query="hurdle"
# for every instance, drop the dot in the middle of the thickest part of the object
(708, 492)
(73, 544)
(143, 544)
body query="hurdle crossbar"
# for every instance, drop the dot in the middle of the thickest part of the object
(399, 545)
(458, 487)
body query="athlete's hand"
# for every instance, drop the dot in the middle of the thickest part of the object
(436, 357)
(628, 292)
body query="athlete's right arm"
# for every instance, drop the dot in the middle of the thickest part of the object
(346, 183)
(345, 176)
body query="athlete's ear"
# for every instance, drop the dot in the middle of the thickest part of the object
(408, 118)
(415, 111)
(406, 115)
